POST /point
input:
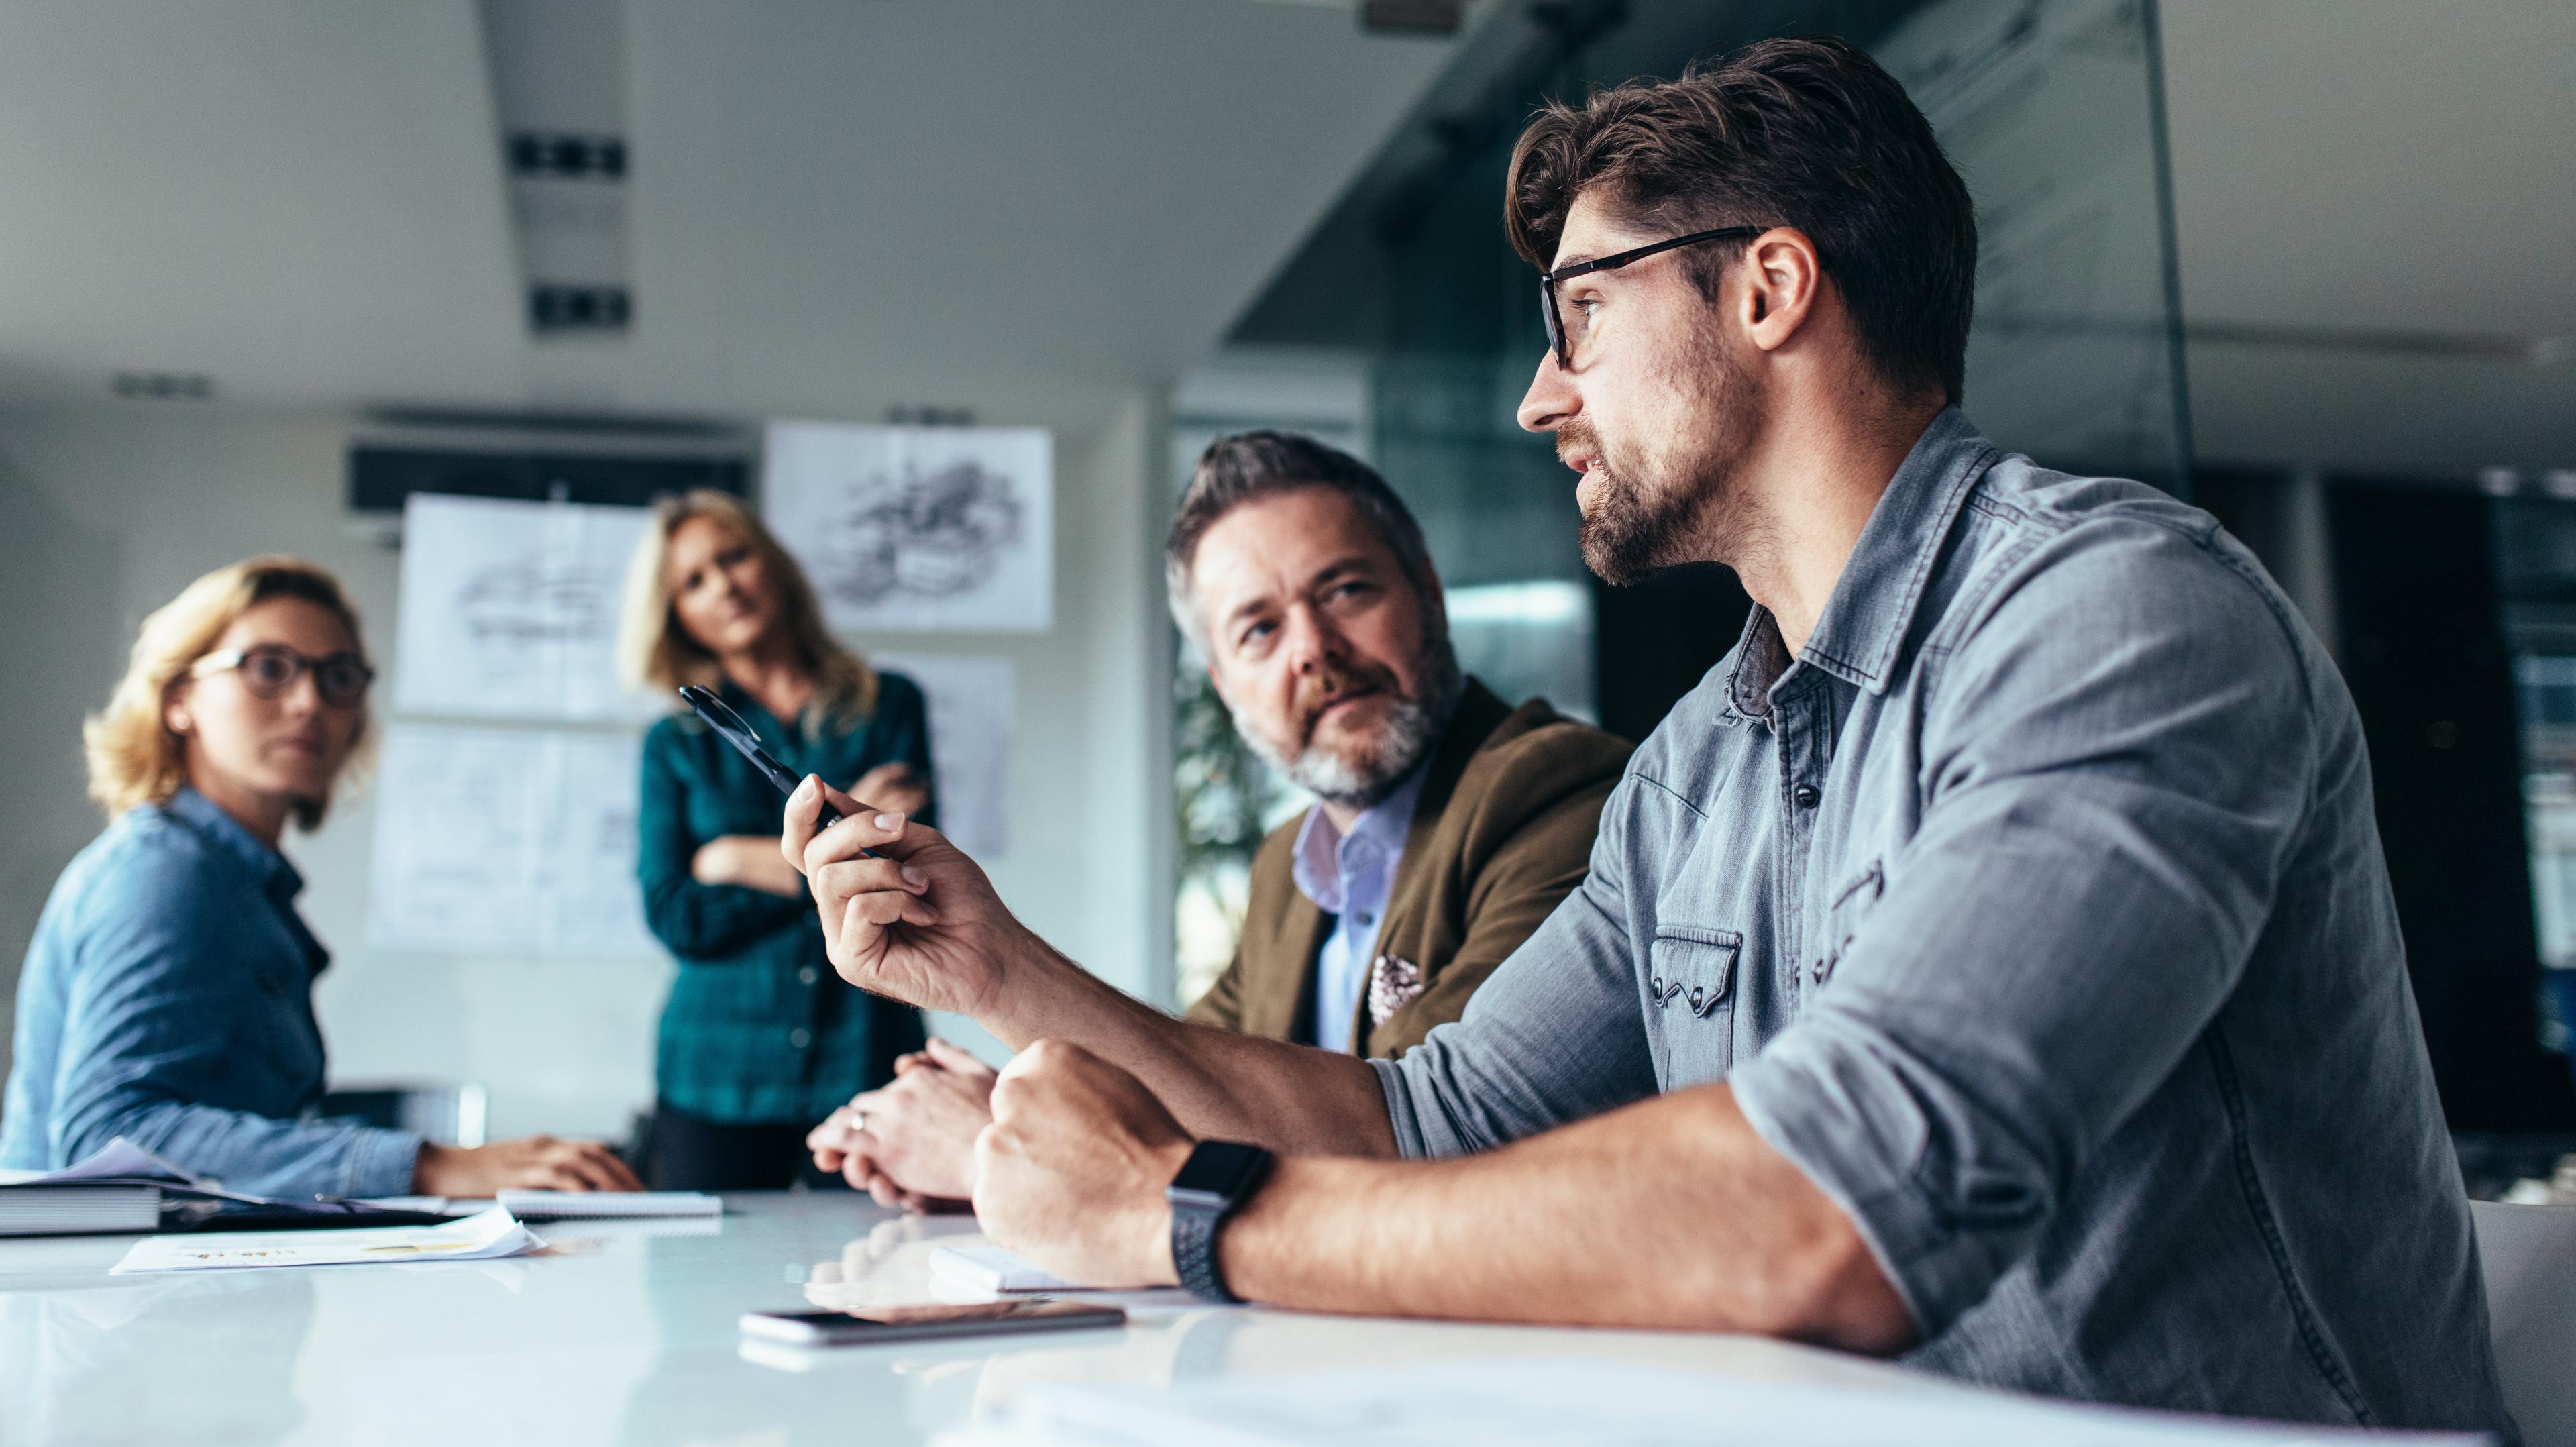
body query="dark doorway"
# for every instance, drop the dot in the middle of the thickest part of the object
(2424, 654)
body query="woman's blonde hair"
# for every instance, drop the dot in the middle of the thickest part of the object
(134, 758)
(655, 651)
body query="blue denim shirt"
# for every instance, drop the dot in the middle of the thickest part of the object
(168, 997)
(2037, 912)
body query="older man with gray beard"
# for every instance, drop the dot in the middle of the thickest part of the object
(1447, 824)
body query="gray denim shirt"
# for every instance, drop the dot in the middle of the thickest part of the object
(2036, 911)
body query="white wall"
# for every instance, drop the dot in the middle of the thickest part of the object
(107, 512)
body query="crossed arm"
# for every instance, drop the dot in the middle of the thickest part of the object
(1604, 1221)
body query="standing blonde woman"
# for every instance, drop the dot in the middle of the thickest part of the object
(759, 1039)
(168, 992)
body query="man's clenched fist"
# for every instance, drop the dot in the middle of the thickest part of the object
(1071, 1172)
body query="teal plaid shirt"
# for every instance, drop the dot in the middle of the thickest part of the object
(758, 1030)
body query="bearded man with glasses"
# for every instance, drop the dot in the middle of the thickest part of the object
(1992, 961)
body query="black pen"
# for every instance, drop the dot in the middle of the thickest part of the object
(730, 727)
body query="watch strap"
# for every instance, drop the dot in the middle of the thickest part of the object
(1194, 1253)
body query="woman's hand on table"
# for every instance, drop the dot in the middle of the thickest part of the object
(536, 1163)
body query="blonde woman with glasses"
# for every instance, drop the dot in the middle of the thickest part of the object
(760, 1039)
(168, 992)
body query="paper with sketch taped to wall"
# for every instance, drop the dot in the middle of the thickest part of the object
(517, 841)
(509, 609)
(1501, 1401)
(934, 528)
(475, 1238)
(972, 719)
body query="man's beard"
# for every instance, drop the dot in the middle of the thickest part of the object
(1412, 730)
(1679, 508)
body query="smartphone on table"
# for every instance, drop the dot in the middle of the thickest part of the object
(869, 1325)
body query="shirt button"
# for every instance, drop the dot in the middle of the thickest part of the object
(809, 974)
(800, 1037)
(1365, 918)
(1805, 796)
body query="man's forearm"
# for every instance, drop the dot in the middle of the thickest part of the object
(1670, 1213)
(1217, 1083)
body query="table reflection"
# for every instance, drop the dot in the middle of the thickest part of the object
(134, 1361)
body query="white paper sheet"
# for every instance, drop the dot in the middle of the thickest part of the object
(1504, 1402)
(118, 1159)
(509, 609)
(475, 1238)
(972, 719)
(506, 840)
(932, 528)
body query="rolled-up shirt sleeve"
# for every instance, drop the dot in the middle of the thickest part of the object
(2114, 766)
(1553, 1036)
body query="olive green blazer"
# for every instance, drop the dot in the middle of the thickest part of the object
(1502, 833)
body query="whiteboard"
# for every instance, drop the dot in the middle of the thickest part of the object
(971, 723)
(507, 840)
(927, 528)
(509, 610)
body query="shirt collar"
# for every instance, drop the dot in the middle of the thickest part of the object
(225, 834)
(1318, 863)
(1872, 607)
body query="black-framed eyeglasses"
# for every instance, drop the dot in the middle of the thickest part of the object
(270, 669)
(1557, 340)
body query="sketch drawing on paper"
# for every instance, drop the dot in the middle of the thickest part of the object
(509, 609)
(513, 603)
(931, 537)
(517, 841)
(915, 527)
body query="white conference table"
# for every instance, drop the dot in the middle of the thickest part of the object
(623, 1332)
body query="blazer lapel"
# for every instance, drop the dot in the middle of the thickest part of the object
(1279, 969)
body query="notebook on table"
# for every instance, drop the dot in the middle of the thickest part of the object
(44, 1209)
(604, 1205)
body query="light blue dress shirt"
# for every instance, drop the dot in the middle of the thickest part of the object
(1349, 877)
(168, 998)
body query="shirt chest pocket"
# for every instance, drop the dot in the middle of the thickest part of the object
(1690, 1003)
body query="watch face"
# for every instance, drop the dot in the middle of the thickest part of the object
(1220, 1169)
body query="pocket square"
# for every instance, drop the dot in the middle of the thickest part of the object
(1393, 984)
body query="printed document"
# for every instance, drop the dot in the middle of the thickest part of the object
(475, 1238)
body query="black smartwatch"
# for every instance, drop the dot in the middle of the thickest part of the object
(1218, 1176)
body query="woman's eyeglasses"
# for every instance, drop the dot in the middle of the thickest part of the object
(1557, 338)
(270, 669)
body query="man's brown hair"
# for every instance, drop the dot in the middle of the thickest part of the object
(1803, 133)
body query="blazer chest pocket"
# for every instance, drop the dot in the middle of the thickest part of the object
(1690, 1003)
